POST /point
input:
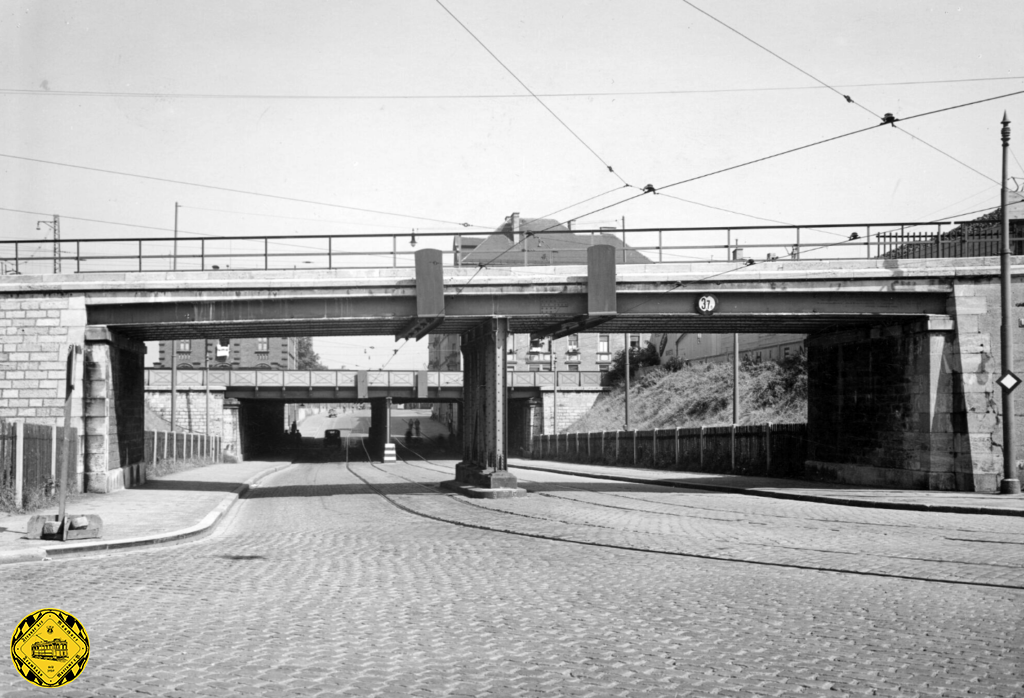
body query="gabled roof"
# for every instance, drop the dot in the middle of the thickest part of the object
(556, 245)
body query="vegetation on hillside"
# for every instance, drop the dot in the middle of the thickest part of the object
(305, 358)
(701, 395)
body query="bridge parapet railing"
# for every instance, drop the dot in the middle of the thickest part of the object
(160, 379)
(382, 250)
(777, 450)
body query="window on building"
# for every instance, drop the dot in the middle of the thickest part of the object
(602, 344)
(634, 341)
(574, 343)
(785, 353)
(573, 367)
(185, 345)
(263, 344)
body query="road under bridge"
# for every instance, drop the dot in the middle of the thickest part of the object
(902, 362)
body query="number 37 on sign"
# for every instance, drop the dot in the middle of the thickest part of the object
(706, 303)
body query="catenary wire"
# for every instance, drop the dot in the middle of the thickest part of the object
(787, 62)
(611, 93)
(527, 88)
(824, 84)
(232, 190)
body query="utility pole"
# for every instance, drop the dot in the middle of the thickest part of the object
(1008, 381)
(55, 227)
(175, 257)
(173, 352)
(206, 355)
(625, 338)
(735, 378)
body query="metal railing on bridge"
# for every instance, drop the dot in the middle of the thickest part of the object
(382, 250)
(256, 379)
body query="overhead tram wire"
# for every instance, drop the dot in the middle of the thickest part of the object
(611, 93)
(527, 88)
(305, 218)
(232, 190)
(787, 62)
(824, 84)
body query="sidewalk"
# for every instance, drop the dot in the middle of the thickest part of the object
(778, 488)
(170, 508)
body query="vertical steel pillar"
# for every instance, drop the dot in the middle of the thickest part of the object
(483, 471)
(1011, 481)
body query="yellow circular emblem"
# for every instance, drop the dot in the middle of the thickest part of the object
(50, 648)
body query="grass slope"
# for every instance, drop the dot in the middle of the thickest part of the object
(701, 395)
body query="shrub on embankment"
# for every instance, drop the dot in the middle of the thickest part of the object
(701, 395)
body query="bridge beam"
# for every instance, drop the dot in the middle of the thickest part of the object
(483, 472)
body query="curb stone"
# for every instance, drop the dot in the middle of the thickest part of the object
(772, 494)
(199, 530)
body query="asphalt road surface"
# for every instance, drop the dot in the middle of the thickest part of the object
(364, 580)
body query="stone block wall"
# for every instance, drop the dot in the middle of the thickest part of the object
(190, 412)
(114, 409)
(35, 333)
(976, 365)
(572, 405)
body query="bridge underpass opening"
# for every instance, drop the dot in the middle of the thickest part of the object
(266, 428)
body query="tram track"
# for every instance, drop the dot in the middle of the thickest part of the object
(393, 500)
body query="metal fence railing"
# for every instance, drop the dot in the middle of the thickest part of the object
(777, 450)
(364, 251)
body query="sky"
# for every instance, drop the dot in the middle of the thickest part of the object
(335, 109)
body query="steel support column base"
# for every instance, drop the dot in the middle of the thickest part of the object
(483, 483)
(475, 492)
(1008, 486)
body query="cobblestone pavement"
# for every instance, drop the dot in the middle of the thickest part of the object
(335, 580)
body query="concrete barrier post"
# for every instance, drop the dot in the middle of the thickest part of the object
(676, 459)
(19, 464)
(53, 454)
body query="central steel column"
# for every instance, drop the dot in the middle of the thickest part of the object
(483, 471)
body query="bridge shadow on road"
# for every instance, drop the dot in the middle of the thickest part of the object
(335, 490)
(193, 485)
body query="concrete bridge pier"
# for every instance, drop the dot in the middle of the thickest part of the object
(380, 426)
(483, 472)
(114, 410)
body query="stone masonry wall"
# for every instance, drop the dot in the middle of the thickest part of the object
(35, 333)
(190, 410)
(571, 406)
(976, 365)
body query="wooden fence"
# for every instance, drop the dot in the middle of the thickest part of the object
(31, 455)
(777, 450)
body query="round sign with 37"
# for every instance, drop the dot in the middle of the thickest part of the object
(707, 303)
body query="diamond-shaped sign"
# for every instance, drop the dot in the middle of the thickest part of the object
(1009, 381)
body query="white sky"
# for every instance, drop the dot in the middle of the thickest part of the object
(475, 158)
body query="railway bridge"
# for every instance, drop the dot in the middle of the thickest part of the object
(902, 362)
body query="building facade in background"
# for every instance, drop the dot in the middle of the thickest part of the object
(248, 353)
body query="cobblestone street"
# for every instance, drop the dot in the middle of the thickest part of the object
(366, 580)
